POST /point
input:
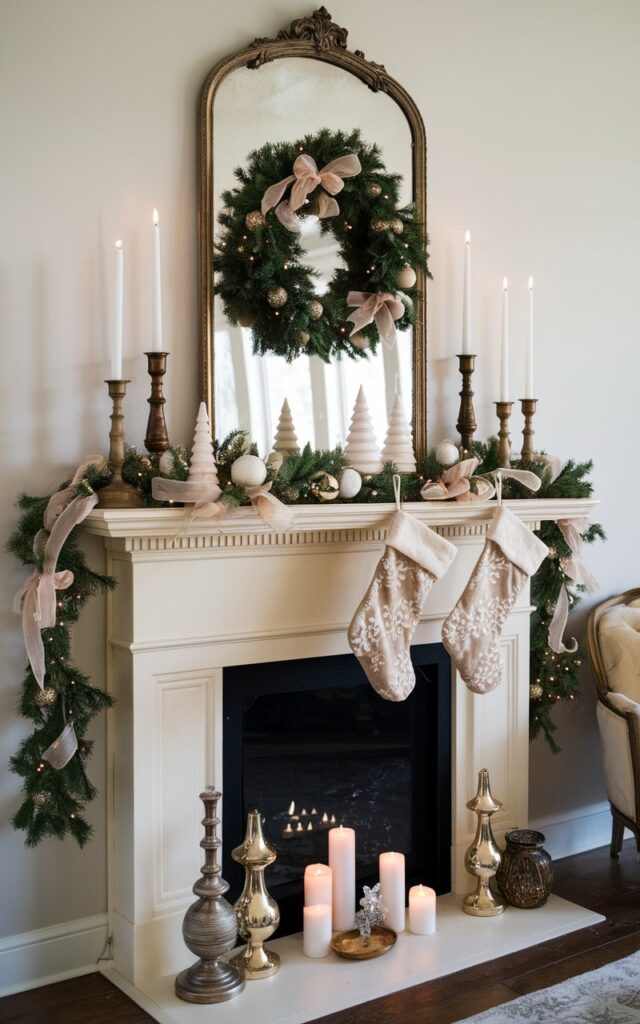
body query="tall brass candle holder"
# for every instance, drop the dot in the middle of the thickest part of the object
(483, 858)
(117, 493)
(504, 440)
(528, 411)
(157, 439)
(466, 425)
(257, 912)
(210, 928)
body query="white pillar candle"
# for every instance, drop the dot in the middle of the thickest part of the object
(318, 885)
(116, 349)
(316, 930)
(342, 861)
(393, 890)
(504, 345)
(528, 377)
(466, 297)
(156, 340)
(422, 910)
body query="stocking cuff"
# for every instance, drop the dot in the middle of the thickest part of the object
(517, 541)
(419, 542)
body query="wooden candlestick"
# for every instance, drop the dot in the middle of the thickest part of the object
(528, 411)
(118, 494)
(210, 928)
(466, 425)
(157, 439)
(504, 446)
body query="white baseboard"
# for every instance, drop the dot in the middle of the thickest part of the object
(52, 954)
(576, 831)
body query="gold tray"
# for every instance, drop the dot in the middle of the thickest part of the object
(350, 944)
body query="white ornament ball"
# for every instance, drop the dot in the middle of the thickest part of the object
(447, 453)
(406, 277)
(165, 463)
(248, 471)
(350, 483)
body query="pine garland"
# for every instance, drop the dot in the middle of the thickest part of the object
(257, 255)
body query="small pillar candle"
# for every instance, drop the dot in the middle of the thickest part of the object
(316, 932)
(422, 910)
(342, 861)
(392, 889)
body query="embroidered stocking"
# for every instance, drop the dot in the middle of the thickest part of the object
(386, 619)
(471, 633)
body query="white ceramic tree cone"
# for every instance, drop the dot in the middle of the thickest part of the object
(398, 446)
(202, 468)
(362, 450)
(286, 440)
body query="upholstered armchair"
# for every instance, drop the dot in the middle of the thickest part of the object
(613, 636)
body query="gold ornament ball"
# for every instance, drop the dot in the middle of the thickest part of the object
(406, 277)
(40, 799)
(246, 320)
(316, 309)
(379, 225)
(46, 698)
(325, 486)
(535, 691)
(397, 226)
(303, 338)
(374, 190)
(145, 462)
(277, 297)
(359, 340)
(254, 219)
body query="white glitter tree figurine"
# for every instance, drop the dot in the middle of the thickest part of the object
(285, 440)
(202, 468)
(398, 445)
(362, 450)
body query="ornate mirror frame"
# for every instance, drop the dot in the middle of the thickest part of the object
(319, 38)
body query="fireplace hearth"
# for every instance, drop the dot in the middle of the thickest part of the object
(311, 745)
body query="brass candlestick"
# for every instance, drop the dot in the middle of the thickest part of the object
(117, 493)
(210, 928)
(466, 425)
(483, 857)
(504, 446)
(257, 912)
(157, 439)
(528, 411)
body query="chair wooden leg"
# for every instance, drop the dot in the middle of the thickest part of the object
(617, 832)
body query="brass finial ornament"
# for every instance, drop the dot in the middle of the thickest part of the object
(257, 912)
(118, 493)
(466, 425)
(504, 439)
(157, 440)
(528, 411)
(210, 929)
(483, 857)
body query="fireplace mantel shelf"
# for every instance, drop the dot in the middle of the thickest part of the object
(313, 523)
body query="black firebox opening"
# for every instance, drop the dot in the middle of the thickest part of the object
(311, 745)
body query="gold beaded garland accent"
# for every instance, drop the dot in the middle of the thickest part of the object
(535, 691)
(277, 297)
(46, 698)
(254, 219)
(316, 309)
(374, 189)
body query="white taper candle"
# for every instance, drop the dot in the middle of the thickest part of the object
(156, 340)
(116, 349)
(466, 297)
(528, 376)
(504, 345)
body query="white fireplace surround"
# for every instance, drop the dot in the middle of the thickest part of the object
(190, 602)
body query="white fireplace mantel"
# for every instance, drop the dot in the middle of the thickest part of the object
(190, 602)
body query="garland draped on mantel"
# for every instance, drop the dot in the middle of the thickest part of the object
(54, 799)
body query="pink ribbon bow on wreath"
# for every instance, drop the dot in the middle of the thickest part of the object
(381, 308)
(305, 179)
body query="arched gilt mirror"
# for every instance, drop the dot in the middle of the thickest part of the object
(278, 91)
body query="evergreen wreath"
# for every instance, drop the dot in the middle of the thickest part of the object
(262, 278)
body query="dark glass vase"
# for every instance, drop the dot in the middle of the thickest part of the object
(525, 875)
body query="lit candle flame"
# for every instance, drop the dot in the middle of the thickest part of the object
(299, 827)
(310, 827)
(156, 218)
(118, 244)
(292, 808)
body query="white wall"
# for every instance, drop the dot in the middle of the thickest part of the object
(534, 139)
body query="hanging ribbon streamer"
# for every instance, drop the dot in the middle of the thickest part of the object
(455, 483)
(576, 570)
(62, 750)
(305, 179)
(202, 501)
(381, 308)
(269, 508)
(36, 599)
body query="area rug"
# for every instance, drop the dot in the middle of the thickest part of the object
(610, 995)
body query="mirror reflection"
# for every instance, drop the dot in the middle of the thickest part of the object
(281, 101)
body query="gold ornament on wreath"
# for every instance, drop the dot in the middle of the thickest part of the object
(46, 698)
(341, 179)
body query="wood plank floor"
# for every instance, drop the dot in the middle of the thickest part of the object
(591, 879)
